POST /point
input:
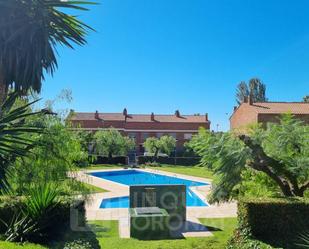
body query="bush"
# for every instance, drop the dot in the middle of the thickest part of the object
(58, 219)
(274, 221)
(78, 244)
(185, 161)
(113, 160)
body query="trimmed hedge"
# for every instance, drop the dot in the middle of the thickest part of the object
(113, 160)
(185, 161)
(277, 222)
(58, 222)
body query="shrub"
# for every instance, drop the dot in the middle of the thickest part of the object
(49, 224)
(113, 160)
(58, 153)
(274, 221)
(185, 161)
(78, 244)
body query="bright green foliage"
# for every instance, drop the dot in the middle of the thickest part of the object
(256, 184)
(30, 31)
(275, 221)
(226, 155)
(111, 143)
(86, 138)
(13, 132)
(58, 151)
(277, 157)
(165, 144)
(31, 221)
(152, 145)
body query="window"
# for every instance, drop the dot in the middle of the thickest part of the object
(132, 135)
(145, 136)
(187, 136)
(160, 134)
(172, 135)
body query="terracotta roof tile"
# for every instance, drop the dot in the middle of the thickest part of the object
(281, 107)
(140, 117)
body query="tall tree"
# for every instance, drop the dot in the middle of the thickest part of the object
(280, 152)
(30, 32)
(256, 89)
(242, 92)
(306, 99)
(110, 143)
(164, 144)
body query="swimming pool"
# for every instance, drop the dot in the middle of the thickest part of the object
(136, 177)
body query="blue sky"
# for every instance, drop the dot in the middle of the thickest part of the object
(162, 55)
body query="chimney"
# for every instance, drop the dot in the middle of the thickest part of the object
(177, 113)
(96, 115)
(125, 112)
(250, 99)
(152, 117)
(206, 116)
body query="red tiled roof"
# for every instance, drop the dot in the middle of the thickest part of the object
(281, 107)
(78, 116)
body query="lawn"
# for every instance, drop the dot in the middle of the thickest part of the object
(186, 170)
(222, 230)
(101, 166)
(9, 245)
(93, 189)
(106, 236)
(178, 169)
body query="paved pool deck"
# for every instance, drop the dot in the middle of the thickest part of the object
(193, 226)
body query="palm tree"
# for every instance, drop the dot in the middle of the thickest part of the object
(13, 129)
(30, 31)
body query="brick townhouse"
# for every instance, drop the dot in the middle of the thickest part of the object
(249, 113)
(142, 126)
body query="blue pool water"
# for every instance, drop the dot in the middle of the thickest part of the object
(136, 177)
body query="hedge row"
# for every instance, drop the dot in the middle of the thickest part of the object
(59, 220)
(275, 221)
(185, 161)
(113, 160)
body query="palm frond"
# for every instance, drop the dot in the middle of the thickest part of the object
(303, 240)
(13, 131)
(29, 34)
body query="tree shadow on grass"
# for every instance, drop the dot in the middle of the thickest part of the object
(76, 239)
(213, 229)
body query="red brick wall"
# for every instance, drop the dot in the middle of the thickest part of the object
(145, 127)
(243, 117)
(139, 125)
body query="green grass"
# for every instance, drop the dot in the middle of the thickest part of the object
(100, 166)
(186, 170)
(178, 169)
(106, 236)
(10, 245)
(222, 230)
(93, 189)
